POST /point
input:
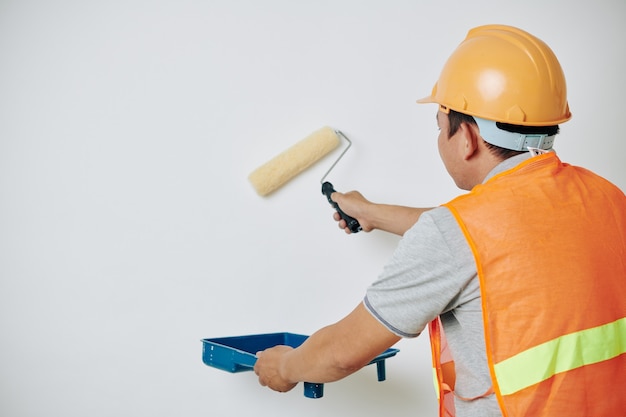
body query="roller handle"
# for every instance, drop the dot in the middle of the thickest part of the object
(353, 224)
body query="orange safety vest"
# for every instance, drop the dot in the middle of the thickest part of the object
(549, 242)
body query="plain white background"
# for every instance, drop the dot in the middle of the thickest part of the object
(129, 231)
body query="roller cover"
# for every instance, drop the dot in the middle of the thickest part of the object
(283, 167)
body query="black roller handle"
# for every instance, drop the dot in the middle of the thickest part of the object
(353, 224)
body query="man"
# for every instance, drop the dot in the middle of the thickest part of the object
(525, 274)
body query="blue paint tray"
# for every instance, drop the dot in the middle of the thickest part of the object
(237, 354)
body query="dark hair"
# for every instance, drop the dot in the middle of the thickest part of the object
(455, 119)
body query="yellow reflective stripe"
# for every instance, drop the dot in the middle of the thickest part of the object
(560, 355)
(436, 382)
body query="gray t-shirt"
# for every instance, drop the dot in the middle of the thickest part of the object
(432, 273)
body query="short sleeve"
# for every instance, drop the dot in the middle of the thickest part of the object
(428, 274)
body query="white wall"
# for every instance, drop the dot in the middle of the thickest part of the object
(129, 231)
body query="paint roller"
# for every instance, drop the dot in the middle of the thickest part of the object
(283, 167)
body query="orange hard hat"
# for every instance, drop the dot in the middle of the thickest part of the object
(504, 74)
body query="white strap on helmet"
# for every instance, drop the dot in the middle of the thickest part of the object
(511, 140)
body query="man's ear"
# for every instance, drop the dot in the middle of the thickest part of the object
(471, 138)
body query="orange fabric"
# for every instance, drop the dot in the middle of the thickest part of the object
(443, 366)
(445, 374)
(588, 391)
(549, 241)
(449, 374)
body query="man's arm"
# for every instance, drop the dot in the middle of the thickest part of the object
(389, 218)
(330, 354)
